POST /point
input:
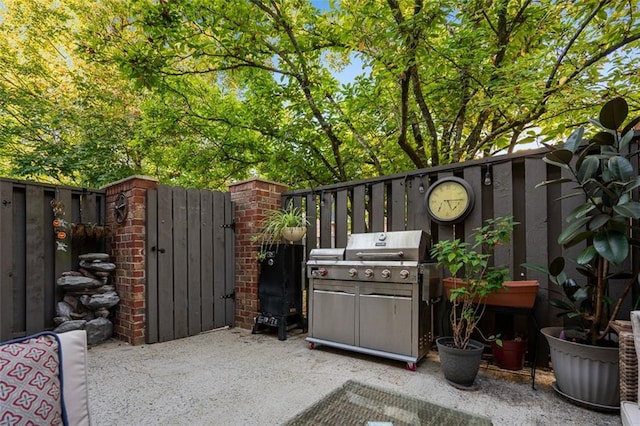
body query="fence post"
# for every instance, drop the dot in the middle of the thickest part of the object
(128, 253)
(252, 199)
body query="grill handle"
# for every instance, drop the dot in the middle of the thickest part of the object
(325, 256)
(380, 255)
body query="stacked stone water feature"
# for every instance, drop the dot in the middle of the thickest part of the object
(88, 298)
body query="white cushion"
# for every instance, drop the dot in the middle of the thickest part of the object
(75, 389)
(630, 413)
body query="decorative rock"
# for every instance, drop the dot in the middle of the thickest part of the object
(102, 312)
(97, 301)
(98, 330)
(104, 289)
(71, 300)
(98, 266)
(103, 274)
(59, 320)
(93, 256)
(71, 274)
(86, 273)
(63, 309)
(73, 282)
(70, 325)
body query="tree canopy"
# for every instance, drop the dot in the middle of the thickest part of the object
(202, 92)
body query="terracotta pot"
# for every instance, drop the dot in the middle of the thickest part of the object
(517, 294)
(510, 355)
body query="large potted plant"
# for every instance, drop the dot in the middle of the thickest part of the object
(585, 360)
(460, 355)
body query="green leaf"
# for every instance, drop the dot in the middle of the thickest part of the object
(599, 221)
(573, 229)
(559, 156)
(577, 238)
(560, 304)
(613, 113)
(586, 256)
(612, 245)
(588, 168)
(553, 182)
(556, 266)
(630, 209)
(573, 142)
(626, 138)
(581, 210)
(603, 138)
(621, 168)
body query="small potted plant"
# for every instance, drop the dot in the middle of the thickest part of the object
(600, 172)
(288, 223)
(460, 355)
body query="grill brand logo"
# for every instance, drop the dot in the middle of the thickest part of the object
(381, 244)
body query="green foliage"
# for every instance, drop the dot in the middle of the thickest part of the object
(478, 280)
(198, 93)
(603, 176)
(276, 221)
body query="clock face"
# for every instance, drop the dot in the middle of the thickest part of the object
(449, 200)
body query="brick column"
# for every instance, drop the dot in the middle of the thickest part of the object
(128, 241)
(252, 199)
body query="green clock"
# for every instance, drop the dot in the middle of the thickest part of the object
(449, 200)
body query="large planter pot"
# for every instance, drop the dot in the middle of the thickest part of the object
(509, 356)
(517, 294)
(460, 366)
(587, 375)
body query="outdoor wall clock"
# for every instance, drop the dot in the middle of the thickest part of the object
(449, 200)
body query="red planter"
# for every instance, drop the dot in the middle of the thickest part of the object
(511, 355)
(517, 294)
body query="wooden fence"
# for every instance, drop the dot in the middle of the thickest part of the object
(29, 261)
(503, 185)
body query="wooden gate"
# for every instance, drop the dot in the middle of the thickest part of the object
(190, 246)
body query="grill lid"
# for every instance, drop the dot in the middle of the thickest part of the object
(396, 245)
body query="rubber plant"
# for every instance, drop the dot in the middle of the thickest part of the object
(601, 174)
(470, 263)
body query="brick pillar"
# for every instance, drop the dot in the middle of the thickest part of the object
(128, 254)
(252, 199)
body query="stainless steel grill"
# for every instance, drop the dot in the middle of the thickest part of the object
(376, 296)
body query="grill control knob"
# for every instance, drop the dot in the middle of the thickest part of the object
(404, 274)
(353, 272)
(385, 273)
(368, 273)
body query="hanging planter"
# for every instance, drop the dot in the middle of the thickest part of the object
(294, 233)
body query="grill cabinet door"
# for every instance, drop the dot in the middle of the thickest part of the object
(334, 313)
(385, 318)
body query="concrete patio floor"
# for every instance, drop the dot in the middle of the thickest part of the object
(231, 377)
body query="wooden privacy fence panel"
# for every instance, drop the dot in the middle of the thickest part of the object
(503, 185)
(190, 262)
(29, 261)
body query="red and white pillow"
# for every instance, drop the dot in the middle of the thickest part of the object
(30, 381)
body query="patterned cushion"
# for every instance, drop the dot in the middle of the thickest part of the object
(30, 381)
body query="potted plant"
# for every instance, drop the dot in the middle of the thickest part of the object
(288, 223)
(509, 352)
(460, 355)
(585, 360)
